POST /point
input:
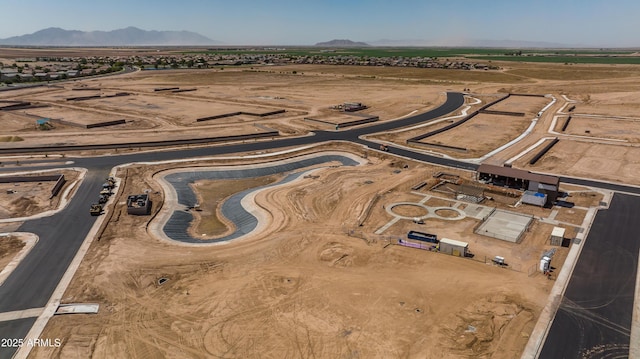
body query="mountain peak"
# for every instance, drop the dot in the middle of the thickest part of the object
(341, 43)
(129, 36)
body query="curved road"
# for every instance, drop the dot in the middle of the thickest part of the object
(32, 283)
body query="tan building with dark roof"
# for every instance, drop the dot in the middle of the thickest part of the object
(520, 179)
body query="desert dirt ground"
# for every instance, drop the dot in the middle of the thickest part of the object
(150, 114)
(627, 129)
(23, 199)
(480, 134)
(306, 288)
(9, 247)
(611, 162)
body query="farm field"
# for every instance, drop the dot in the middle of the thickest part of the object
(315, 282)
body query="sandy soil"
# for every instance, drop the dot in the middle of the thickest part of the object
(208, 220)
(528, 105)
(9, 247)
(23, 199)
(621, 129)
(481, 134)
(217, 92)
(592, 160)
(585, 198)
(304, 287)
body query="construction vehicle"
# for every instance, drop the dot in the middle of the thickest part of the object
(96, 209)
(111, 183)
(108, 185)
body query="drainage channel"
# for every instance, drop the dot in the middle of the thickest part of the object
(178, 224)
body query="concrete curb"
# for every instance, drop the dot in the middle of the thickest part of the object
(170, 203)
(51, 307)
(529, 149)
(541, 330)
(521, 137)
(63, 201)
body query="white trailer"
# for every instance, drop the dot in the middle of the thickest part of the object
(453, 247)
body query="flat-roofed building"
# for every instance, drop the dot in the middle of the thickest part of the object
(453, 247)
(520, 179)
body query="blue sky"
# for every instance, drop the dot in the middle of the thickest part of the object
(596, 23)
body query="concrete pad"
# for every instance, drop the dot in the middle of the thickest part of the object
(80, 308)
(477, 211)
(507, 226)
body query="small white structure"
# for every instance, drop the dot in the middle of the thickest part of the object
(453, 247)
(557, 236)
(534, 198)
(78, 308)
(545, 264)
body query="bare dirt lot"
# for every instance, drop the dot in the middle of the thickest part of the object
(620, 129)
(481, 134)
(585, 159)
(302, 288)
(23, 199)
(528, 105)
(216, 93)
(9, 247)
(305, 288)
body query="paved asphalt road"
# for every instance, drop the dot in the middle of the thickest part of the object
(32, 283)
(594, 318)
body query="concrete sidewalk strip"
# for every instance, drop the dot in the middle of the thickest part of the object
(20, 314)
(386, 226)
(541, 329)
(54, 302)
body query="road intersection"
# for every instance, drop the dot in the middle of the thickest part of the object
(30, 286)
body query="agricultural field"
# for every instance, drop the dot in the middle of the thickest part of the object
(318, 280)
(578, 56)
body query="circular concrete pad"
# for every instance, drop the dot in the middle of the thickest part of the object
(431, 212)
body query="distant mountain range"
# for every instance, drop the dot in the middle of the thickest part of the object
(133, 36)
(470, 43)
(444, 43)
(130, 36)
(341, 43)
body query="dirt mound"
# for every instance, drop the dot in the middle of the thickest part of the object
(486, 325)
(10, 245)
(24, 205)
(337, 254)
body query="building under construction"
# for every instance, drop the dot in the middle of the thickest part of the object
(520, 179)
(138, 204)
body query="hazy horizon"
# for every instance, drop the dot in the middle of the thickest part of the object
(572, 23)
